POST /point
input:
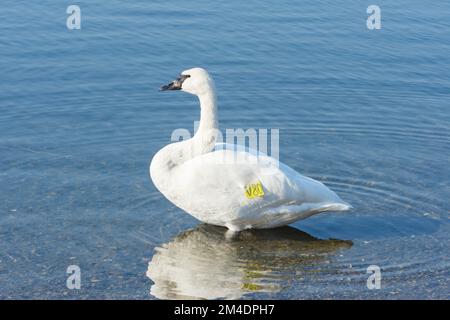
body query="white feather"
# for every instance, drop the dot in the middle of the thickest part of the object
(209, 180)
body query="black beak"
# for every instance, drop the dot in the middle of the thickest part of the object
(176, 84)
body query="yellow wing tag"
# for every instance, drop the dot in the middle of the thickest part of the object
(254, 190)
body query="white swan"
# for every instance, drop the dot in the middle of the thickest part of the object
(224, 186)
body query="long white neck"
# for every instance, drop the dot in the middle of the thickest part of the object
(175, 154)
(205, 137)
(208, 113)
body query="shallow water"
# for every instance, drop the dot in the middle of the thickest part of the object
(366, 112)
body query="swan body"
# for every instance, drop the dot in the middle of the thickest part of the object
(227, 185)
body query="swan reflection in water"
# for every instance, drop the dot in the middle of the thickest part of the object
(206, 263)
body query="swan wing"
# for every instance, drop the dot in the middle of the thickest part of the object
(246, 189)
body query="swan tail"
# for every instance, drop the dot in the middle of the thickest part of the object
(339, 206)
(290, 213)
(284, 215)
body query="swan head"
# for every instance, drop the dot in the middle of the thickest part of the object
(195, 81)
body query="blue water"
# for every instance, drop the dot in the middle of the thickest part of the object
(365, 111)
